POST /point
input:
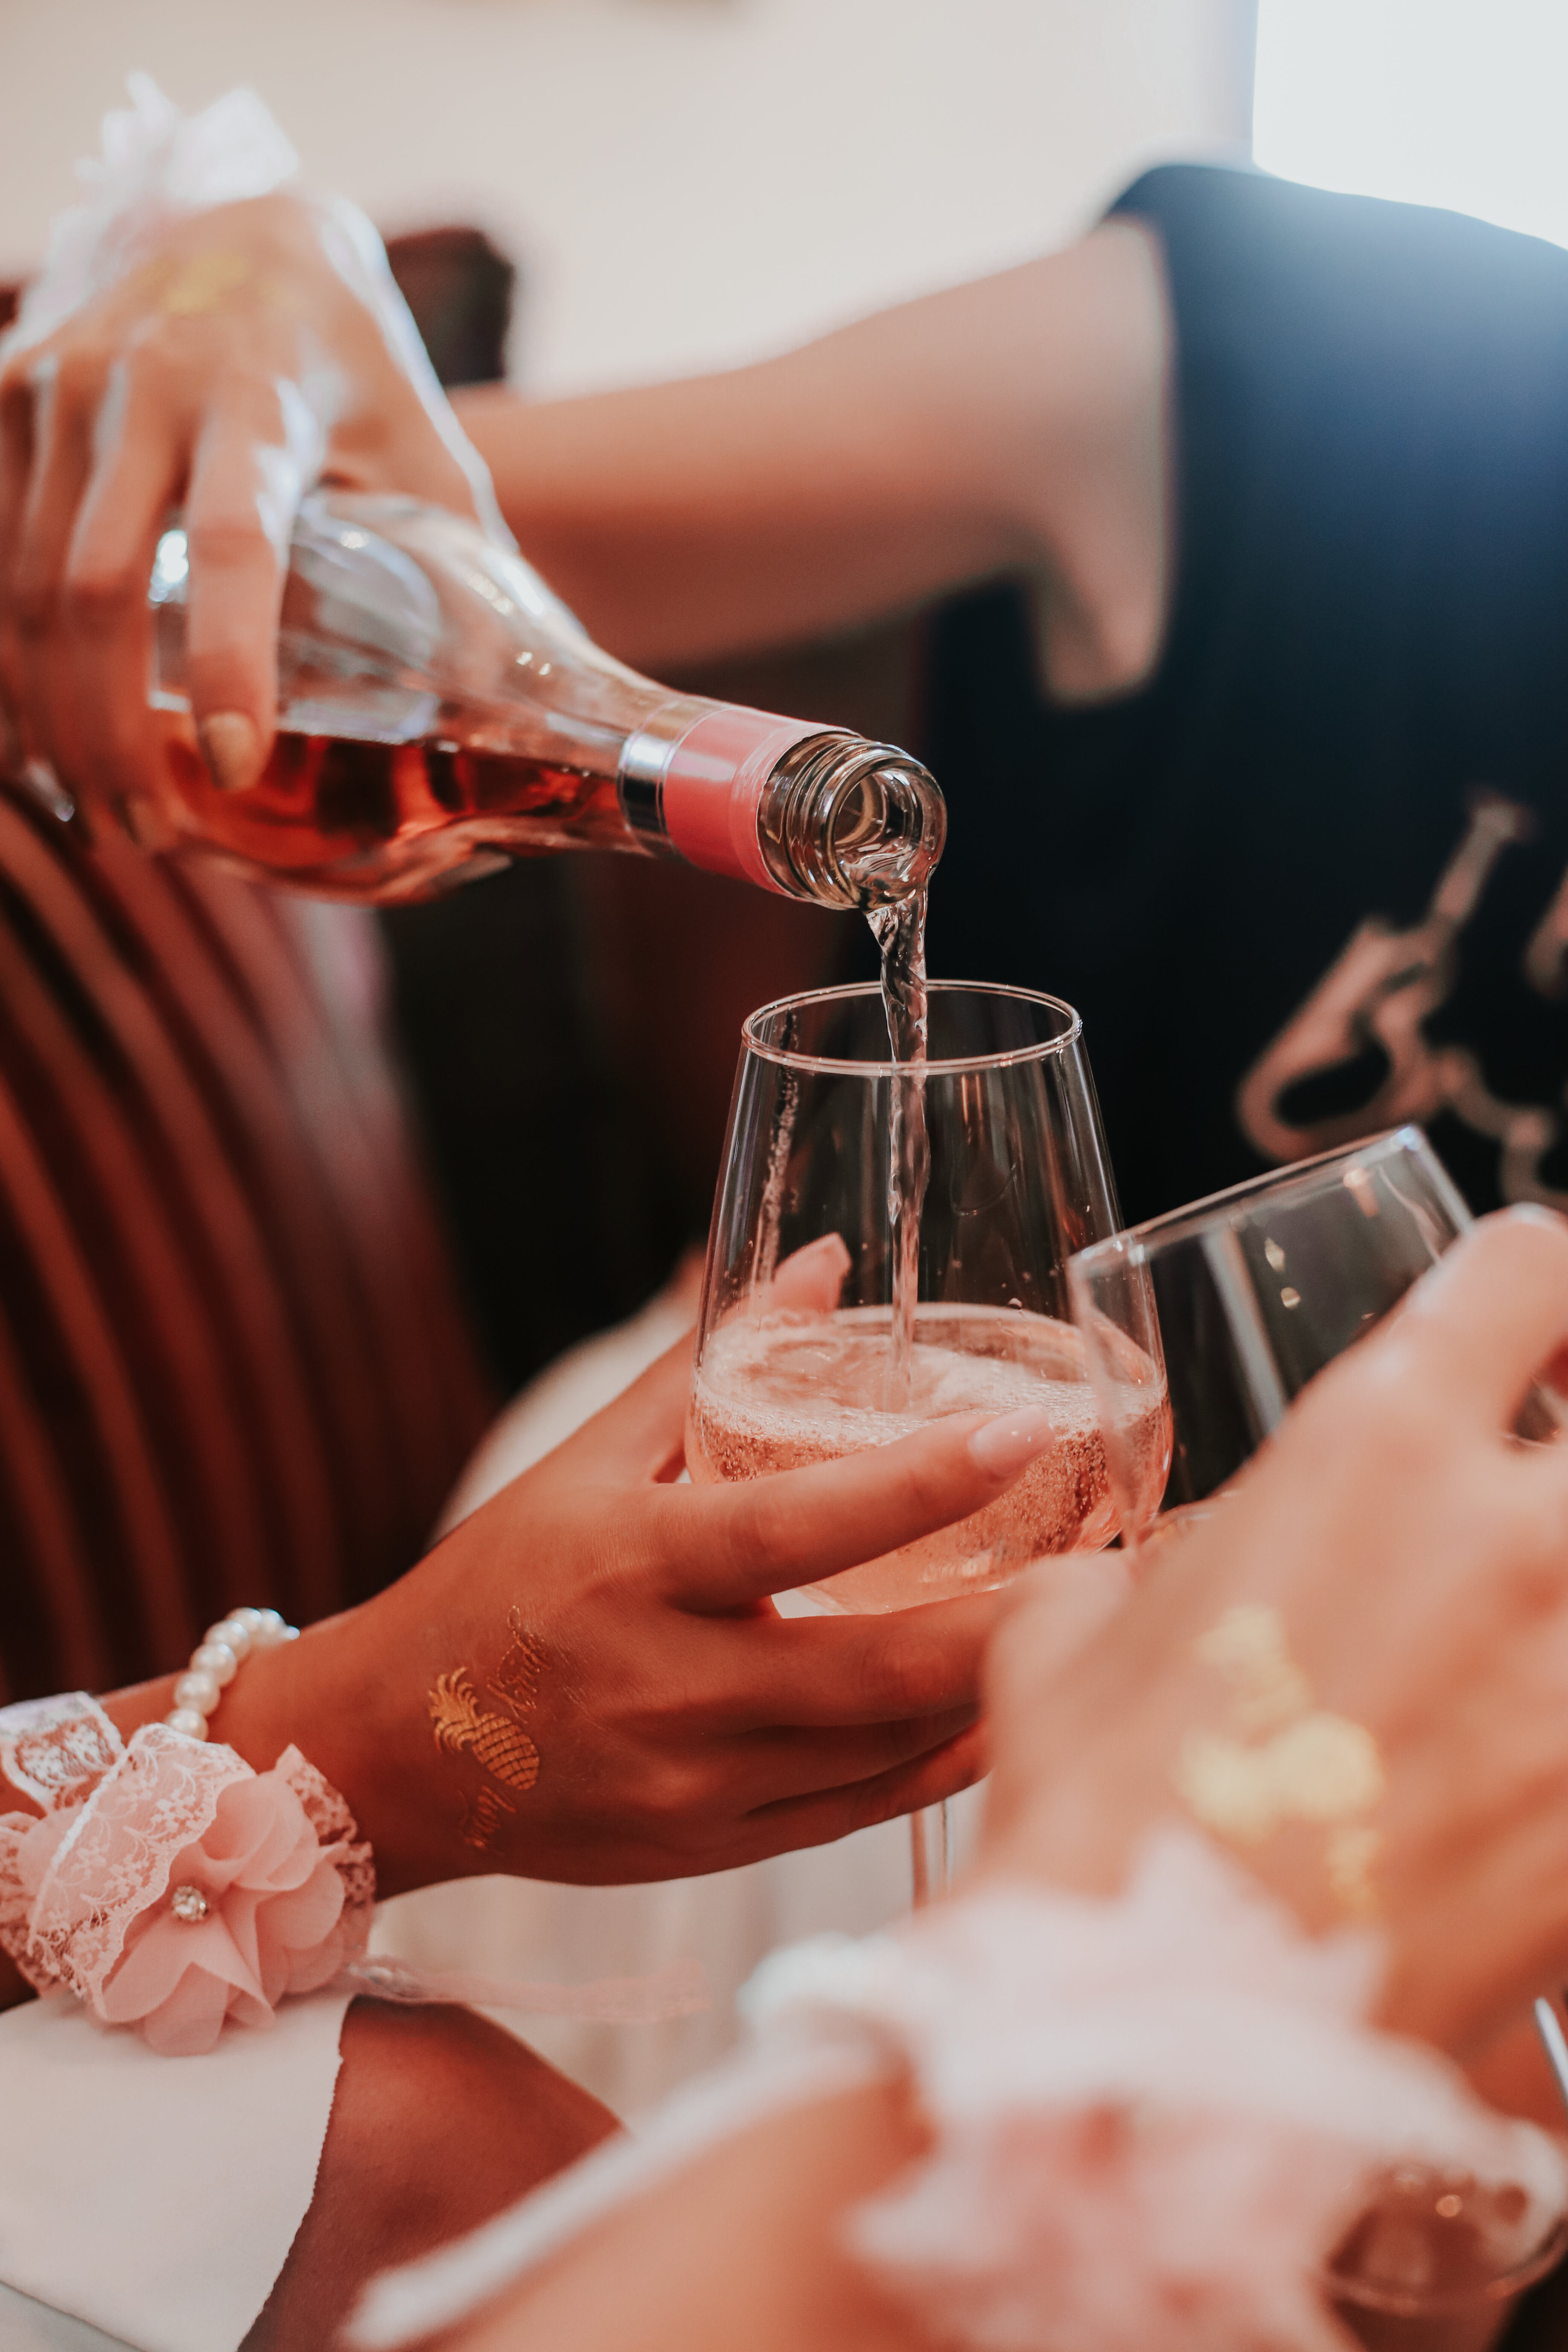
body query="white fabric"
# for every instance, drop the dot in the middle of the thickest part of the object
(29, 2327)
(571, 1390)
(1152, 2118)
(157, 2199)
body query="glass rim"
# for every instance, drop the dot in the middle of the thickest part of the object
(788, 1058)
(1175, 1224)
(1400, 2302)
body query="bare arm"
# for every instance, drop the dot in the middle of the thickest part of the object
(743, 2247)
(1011, 424)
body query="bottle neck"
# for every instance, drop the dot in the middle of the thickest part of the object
(814, 813)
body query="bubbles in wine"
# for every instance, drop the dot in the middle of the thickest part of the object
(784, 1389)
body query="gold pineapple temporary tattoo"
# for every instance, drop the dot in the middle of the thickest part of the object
(482, 1818)
(517, 1677)
(497, 1742)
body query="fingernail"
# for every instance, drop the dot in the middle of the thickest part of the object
(831, 1246)
(1009, 1444)
(231, 748)
(1535, 1213)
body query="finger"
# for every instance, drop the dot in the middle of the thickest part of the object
(810, 1279)
(1485, 1320)
(836, 1812)
(774, 1767)
(136, 479)
(729, 1545)
(253, 464)
(832, 1674)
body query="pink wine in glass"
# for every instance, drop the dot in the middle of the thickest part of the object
(788, 1389)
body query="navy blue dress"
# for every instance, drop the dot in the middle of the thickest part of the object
(1312, 878)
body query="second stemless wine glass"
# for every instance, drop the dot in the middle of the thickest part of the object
(1019, 1182)
(1230, 1307)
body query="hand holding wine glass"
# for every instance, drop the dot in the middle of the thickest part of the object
(584, 1681)
(1417, 1555)
(1244, 1302)
(1417, 1558)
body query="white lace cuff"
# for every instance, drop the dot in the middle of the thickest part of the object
(167, 1885)
(1154, 2119)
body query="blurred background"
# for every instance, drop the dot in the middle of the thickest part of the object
(688, 181)
(588, 193)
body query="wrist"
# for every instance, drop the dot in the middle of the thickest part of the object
(1083, 1830)
(316, 1695)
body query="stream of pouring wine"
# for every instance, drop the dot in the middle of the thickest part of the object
(900, 931)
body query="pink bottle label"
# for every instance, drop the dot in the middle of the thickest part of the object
(713, 783)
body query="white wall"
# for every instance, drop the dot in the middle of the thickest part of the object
(1454, 102)
(689, 181)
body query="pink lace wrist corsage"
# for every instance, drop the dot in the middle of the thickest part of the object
(168, 1885)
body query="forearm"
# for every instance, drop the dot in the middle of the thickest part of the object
(745, 2245)
(773, 505)
(1013, 423)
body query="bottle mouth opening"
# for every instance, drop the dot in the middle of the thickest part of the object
(879, 836)
(855, 825)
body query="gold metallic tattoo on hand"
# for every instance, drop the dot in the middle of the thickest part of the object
(199, 283)
(498, 1743)
(1285, 1759)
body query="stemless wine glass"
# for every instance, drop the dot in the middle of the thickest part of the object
(1019, 1182)
(1231, 1305)
(1226, 1310)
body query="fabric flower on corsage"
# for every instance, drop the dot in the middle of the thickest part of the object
(256, 1908)
(182, 1890)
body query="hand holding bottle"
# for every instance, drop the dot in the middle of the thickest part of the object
(217, 360)
(246, 352)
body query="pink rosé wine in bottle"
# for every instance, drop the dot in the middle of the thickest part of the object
(440, 711)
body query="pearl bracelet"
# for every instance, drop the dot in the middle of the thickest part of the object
(222, 1650)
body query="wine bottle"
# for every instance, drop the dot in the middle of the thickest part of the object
(440, 711)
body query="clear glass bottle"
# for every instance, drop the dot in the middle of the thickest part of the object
(441, 711)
